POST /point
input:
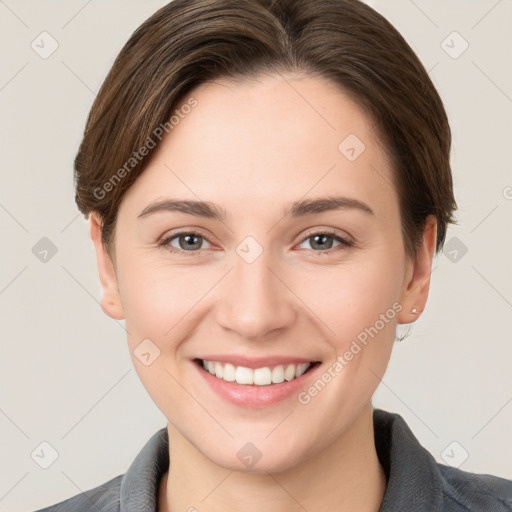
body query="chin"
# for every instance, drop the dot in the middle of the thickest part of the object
(258, 457)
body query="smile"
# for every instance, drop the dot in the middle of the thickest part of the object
(263, 376)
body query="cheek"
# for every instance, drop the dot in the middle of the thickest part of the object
(352, 297)
(159, 299)
(158, 302)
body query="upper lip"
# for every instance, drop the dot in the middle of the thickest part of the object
(256, 362)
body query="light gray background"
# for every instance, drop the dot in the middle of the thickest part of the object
(67, 377)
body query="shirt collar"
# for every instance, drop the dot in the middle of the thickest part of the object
(140, 484)
(413, 477)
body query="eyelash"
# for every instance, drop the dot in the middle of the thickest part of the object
(164, 243)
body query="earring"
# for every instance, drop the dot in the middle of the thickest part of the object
(414, 311)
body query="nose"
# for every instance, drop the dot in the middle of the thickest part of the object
(255, 301)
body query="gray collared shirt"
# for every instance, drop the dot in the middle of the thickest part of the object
(415, 481)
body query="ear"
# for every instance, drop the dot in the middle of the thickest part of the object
(417, 283)
(111, 299)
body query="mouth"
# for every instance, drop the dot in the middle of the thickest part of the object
(256, 376)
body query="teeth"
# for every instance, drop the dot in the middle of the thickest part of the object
(219, 369)
(301, 369)
(259, 377)
(263, 376)
(244, 375)
(289, 373)
(278, 374)
(229, 372)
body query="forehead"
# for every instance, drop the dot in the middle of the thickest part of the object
(273, 138)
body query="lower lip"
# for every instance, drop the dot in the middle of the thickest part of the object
(255, 396)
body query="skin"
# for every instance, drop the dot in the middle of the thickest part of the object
(254, 148)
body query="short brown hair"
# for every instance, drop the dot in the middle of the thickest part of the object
(189, 42)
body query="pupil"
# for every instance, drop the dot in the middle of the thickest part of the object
(323, 237)
(189, 244)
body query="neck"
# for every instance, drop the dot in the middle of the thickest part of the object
(346, 476)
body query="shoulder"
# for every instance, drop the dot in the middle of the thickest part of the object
(472, 492)
(416, 481)
(103, 498)
(136, 489)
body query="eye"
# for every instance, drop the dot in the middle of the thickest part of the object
(187, 242)
(323, 240)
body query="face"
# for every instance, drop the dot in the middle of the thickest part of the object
(269, 275)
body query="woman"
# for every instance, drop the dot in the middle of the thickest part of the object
(267, 183)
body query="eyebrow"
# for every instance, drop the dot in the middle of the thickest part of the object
(298, 209)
